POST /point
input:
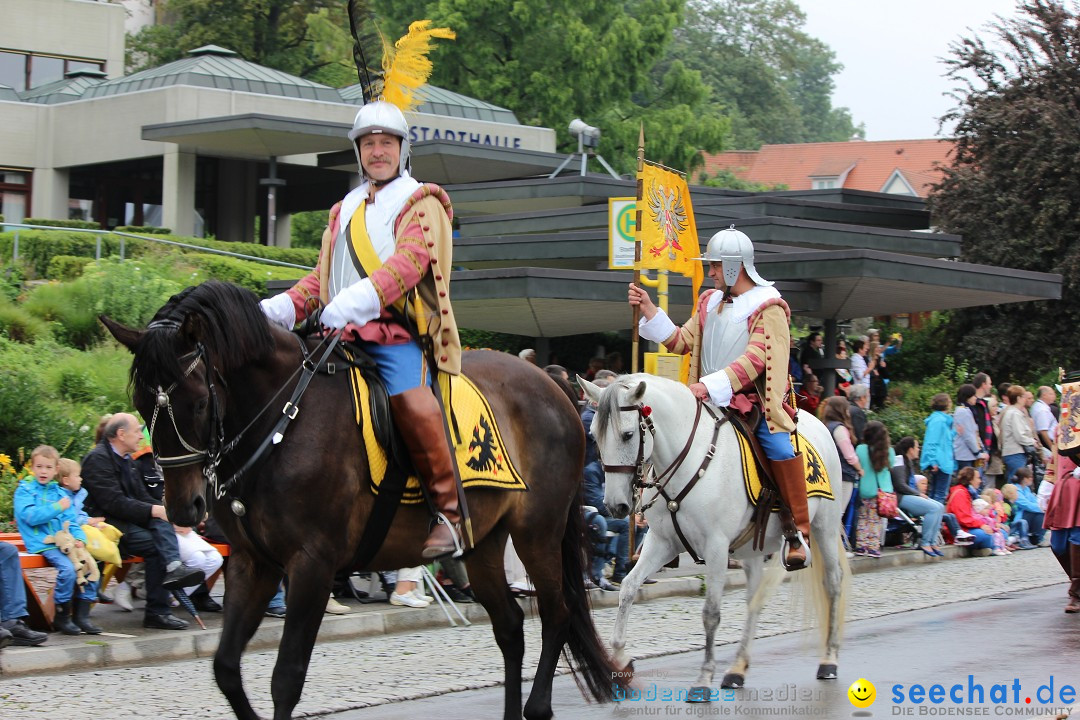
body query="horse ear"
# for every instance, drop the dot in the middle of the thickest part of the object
(592, 391)
(128, 337)
(639, 392)
(193, 328)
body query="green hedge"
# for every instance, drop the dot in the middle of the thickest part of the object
(66, 267)
(84, 224)
(38, 247)
(144, 229)
(245, 273)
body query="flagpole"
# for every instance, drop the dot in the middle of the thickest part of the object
(637, 248)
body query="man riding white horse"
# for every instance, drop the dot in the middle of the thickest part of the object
(738, 343)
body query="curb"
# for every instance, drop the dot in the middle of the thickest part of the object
(162, 647)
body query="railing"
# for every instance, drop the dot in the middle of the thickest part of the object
(149, 238)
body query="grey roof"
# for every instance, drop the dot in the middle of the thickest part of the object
(8, 93)
(447, 103)
(72, 87)
(215, 67)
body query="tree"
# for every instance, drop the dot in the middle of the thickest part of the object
(553, 61)
(307, 38)
(773, 79)
(1013, 189)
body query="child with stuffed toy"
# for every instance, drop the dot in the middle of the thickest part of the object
(101, 537)
(41, 509)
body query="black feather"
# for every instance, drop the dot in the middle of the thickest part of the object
(367, 48)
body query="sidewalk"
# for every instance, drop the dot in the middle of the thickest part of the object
(126, 642)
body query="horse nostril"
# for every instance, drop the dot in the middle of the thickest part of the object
(621, 510)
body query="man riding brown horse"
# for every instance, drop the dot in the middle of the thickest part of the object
(386, 255)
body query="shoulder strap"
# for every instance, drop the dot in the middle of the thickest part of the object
(363, 252)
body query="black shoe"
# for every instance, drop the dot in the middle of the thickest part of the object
(24, 636)
(205, 603)
(458, 596)
(182, 577)
(167, 621)
(5, 638)
(606, 585)
(62, 620)
(275, 612)
(81, 617)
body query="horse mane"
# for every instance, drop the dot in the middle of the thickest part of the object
(608, 405)
(230, 324)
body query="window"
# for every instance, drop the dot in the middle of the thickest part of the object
(13, 70)
(823, 183)
(44, 70)
(23, 70)
(14, 194)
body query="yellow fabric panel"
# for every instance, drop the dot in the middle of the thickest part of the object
(818, 483)
(481, 456)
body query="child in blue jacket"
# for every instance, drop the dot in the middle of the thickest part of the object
(41, 508)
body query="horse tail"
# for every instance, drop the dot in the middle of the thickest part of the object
(811, 584)
(592, 664)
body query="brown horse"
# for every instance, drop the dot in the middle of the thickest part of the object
(211, 376)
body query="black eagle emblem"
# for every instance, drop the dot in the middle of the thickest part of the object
(489, 456)
(814, 473)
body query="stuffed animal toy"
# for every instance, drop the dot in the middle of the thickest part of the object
(86, 569)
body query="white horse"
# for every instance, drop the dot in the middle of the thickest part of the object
(643, 419)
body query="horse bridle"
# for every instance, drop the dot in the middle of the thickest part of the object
(639, 472)
(216, 448)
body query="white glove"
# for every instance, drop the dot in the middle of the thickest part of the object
(280, 310)
(357, 304)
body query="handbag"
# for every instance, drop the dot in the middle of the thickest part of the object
(886, 504)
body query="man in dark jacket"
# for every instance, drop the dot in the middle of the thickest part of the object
(117, 492)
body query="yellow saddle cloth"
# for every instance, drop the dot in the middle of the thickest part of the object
(817, 477)
(481, 456)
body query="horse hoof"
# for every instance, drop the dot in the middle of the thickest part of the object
(733, 680)
(698, 694)
(826, 671)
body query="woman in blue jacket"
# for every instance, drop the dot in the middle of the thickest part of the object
(937, 460)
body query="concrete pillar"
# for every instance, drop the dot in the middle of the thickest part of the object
(178, 192)
(283, 231)
(50, 194)
(543, 351)
(236, 200)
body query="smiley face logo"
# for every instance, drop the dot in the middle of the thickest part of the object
(862, 693)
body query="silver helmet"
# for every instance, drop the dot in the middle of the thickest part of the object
(734, 249)
(382, 117)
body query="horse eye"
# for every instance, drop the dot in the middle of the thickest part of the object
(201, 405)
(627, 435)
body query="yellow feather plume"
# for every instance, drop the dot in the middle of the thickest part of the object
(407, 67)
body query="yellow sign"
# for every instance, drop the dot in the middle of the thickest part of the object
(665, 364)
(622, 233)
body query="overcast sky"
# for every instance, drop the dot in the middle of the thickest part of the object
(892, 78)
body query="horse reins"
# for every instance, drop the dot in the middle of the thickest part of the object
(217, 449)
(659, 482)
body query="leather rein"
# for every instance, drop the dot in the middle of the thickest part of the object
(643, 475)
(217, 449)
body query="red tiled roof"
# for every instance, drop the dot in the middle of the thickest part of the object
(874, 163)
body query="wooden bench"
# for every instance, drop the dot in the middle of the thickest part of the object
(41, 612)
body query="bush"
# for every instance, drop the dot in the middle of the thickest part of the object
(83, 224)
(909, 403)
(38, 247)
(250, 275)
(132, 291)
(19, 325)
(12, 277)
(66, 267)
(144, 229)
(69, 307)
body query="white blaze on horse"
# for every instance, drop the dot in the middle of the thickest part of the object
(644, 420)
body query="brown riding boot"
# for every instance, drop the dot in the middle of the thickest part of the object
(1074, 575)
(790, 477)
(419, 420)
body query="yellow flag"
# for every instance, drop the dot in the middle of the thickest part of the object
(667, 232)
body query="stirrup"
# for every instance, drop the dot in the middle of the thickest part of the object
(787, 545)
(455, 534)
